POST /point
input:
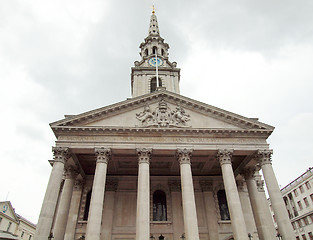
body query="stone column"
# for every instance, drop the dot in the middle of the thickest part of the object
(177, 210)
(188, 195)
(234, 205)
(45, 220)
(65, 201)
(143, 195)
(210, 209)
(246, 208)
(96, 204)
(264, 225)
(108, 210)
(74, 209)
(278, 205)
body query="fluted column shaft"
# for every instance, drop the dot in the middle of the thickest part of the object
(234, 205)
(143, 195)
(51, 197)
(188, 195)
(264, 225)
(96, 204)
(278, 205)
(64, 205)
(74, 209)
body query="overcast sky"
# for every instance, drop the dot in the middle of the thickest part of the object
(253, 58)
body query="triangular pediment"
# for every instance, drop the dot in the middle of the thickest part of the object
(7, 209)
(162, 109)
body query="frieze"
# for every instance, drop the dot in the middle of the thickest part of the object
(168, 139)
(162, 116)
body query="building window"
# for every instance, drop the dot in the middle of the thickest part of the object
(300, 205)
(301, 189)
(162, 52)
(303, 237)
(159, 206)
(87, 206)
(9, 226)
(300, 223)
(308, 185)
(295, 192)
(311, 216)
(222, 202)
(153, 84)
(30, 237)
(306, 202)
(297, 238)
(146, 52)
(294, 225)
(311, 196)
(306, 221)
(22, 234)
(154, 50)
(310, 235)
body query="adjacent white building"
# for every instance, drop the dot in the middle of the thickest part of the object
(14, 226)
(298, 197)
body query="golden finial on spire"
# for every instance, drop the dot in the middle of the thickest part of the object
(153, 9)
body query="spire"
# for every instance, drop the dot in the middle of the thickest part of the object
(154, 28)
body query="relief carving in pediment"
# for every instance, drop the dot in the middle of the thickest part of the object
(163, 116)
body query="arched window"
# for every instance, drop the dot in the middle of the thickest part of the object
(87, 206)
(153, 84)
(154, 50)
(162, 52)
(159, 206)
(146, 52)
(222, 202)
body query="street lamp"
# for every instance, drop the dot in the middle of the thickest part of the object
(161, 237)
(279, 237)
(151, 237)
(182, 236)
(50, 236)
(250, 236)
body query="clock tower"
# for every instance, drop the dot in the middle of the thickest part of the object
(154, 70)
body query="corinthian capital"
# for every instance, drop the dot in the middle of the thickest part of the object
(248, 173)
(144, 155)
(184, 155)
(224, 156)
(61, 154)
(264, 156)
(103, 155)
(71, 172)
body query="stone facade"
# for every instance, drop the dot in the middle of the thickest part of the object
(160, 165)
(298, 198)
(14, 226)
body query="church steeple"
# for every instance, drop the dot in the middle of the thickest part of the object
(154, 70)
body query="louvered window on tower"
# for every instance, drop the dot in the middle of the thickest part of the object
(153, 84)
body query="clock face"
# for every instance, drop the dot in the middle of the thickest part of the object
(155, 61)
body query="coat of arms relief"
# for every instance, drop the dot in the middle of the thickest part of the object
(163, 116)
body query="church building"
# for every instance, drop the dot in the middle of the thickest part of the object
(161, 166)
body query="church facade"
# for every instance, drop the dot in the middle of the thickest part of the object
(160, 166)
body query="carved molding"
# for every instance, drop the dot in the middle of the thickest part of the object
(144, 155)
(103, 155)
(225, 156)
(248, 172)
(260, 185)
(241, 185)
(61, 154)
(264, 157)
(163, 116)
(184, 155)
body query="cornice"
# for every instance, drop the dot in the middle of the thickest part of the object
(65, 130)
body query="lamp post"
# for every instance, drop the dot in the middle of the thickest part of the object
(50, 236)
(250, 236)
(279, 237)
